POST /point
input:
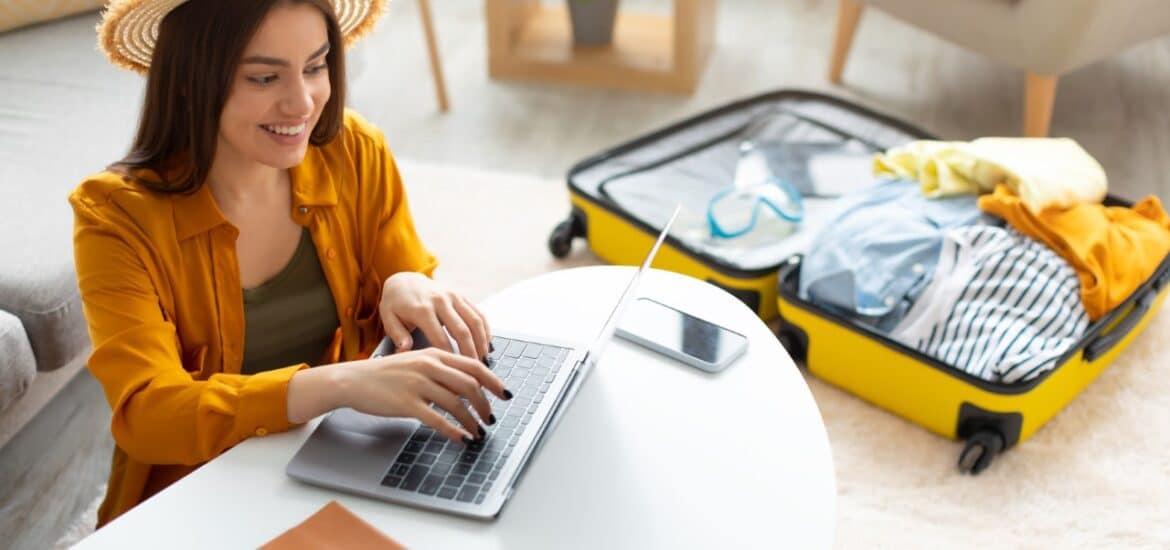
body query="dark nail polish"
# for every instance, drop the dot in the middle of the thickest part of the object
(491, 347)
(491, 420)
(482, 432)
(486, 363)
(467, 440)
(507, 395)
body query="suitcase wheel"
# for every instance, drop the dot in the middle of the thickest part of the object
(980, 450)
(560, 241)
(793, 343)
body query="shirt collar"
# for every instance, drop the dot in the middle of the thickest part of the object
(196, 213)
(312, 186)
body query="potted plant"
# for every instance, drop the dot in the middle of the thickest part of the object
(592, 21)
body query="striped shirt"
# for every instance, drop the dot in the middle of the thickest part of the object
(1000, 306)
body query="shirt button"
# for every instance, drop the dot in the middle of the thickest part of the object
(889, 301)
(917, 269)
(303, 210)
(261, 432)
(331, 253)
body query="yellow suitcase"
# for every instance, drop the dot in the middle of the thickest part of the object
(989, 417)
(704, 142)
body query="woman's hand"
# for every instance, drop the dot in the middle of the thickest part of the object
(405, 385)
(413, 300)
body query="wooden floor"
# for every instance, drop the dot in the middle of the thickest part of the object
(54, 467)
(1119, 110)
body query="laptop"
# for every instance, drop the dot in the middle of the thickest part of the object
(402, 460)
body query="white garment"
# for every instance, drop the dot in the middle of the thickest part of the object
(1000, 306)
(1043, 172)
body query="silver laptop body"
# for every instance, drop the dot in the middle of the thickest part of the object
(401, 460)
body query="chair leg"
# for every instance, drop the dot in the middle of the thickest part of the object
(424, 8)
(848, 14)
(1039, 95)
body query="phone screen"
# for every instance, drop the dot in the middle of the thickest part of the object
(680, 332)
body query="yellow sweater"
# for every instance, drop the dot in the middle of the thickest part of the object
(1113, 249)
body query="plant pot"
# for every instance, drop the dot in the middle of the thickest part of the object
(592, 21)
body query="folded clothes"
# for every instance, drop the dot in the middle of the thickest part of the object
(1043, 172)
(1000, 306)
(1113, 249)
(876, 253)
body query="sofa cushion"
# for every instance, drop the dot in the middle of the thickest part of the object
(56, 127)
(17, 365)
(18, 13)
(44, 297)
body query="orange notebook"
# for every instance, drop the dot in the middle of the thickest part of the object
(333, 526)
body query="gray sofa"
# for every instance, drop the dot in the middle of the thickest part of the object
(64, 113)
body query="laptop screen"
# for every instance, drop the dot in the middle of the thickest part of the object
(610, 325)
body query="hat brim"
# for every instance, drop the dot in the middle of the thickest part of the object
(128, 30)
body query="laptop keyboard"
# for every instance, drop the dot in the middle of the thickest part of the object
(432, 465)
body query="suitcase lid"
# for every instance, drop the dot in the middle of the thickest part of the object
(688, 162)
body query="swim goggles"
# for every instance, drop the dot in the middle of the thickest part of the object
(737, 209)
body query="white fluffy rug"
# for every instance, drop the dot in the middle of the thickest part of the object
(1097, 476)
(83, 525)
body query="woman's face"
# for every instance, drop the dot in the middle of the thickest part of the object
(278, 91)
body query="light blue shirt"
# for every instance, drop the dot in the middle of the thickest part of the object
(880, 249)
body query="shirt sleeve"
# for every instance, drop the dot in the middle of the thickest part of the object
(161, 414)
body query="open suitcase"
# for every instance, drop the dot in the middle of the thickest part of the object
(620, 224)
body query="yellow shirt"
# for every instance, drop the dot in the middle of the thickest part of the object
(1113, 249)
(160, 286)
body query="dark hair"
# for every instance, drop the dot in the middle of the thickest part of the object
(199, 47)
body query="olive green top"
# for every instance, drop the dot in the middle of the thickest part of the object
(290, 318)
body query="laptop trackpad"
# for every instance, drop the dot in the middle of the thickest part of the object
(350, 449)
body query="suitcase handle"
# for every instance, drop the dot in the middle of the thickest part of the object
(1104, 342)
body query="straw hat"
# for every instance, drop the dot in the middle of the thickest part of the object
(129, 28)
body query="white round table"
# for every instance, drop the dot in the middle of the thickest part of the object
(652, 453)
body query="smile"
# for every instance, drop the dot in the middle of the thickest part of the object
(285, 130)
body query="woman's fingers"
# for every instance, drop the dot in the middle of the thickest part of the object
(459, 330)
(407, 384)
(451, 403)
(440, 424)
(397, 333)
(487, 327)
(431, 327)
(476, 370)
(465, 386)
(476, 322)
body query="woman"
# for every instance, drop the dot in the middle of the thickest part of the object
(255, 228)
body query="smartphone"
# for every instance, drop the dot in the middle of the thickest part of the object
(680, 335)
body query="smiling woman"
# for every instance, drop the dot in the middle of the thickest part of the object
(256, 228)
